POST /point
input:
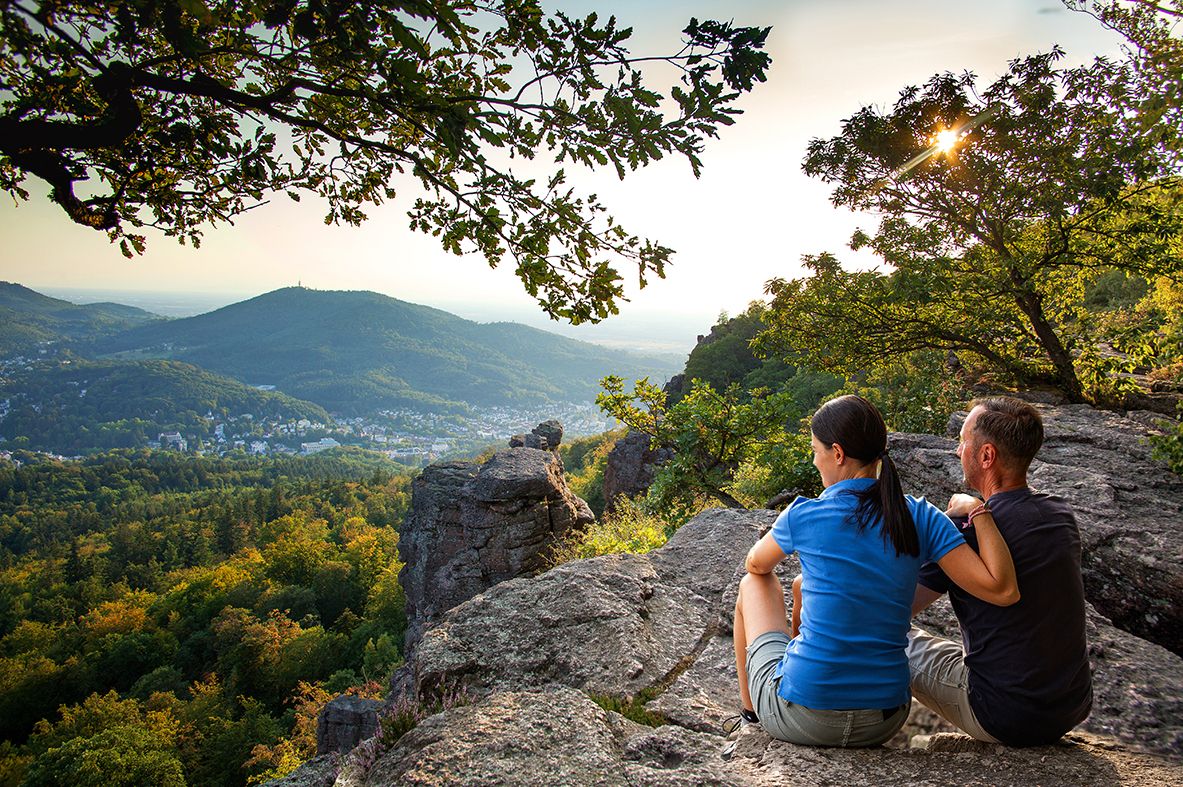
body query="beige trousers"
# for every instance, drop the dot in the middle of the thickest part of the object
(940, 680)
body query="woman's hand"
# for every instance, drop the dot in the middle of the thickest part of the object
(961, 505)
(989, 573)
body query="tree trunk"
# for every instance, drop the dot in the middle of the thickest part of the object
(1032, 305)
(726, 499)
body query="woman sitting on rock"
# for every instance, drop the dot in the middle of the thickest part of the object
(839, 675)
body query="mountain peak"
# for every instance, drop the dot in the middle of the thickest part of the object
(358, 350)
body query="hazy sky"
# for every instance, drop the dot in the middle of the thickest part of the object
(749, 218)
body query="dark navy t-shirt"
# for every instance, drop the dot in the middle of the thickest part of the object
(1029, 678)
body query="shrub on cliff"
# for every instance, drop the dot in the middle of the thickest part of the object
(629, 527)
(712, 435)
(584, 461)
(1169, 446)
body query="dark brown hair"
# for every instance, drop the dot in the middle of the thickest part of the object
(855, 424)
(1012, 425)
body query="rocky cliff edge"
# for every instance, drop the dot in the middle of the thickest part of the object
(540, 658)
(535, 655)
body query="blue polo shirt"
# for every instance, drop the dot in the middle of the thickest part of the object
(856, 600)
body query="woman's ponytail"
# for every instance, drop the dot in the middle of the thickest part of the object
(898, 525)
(855, 424)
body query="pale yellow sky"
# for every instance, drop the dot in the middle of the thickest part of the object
(749, 218)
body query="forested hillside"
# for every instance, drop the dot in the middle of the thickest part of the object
(354, 352)
(28, 320)
(181, 617)
(79, 406)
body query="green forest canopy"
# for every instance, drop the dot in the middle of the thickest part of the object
(1059, 178)
(166, 615)
(179, 115)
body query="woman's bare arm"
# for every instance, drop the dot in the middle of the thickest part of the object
(989, 573)
(764, 555)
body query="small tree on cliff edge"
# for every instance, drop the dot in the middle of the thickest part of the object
(176, 114)
(993, 242)
(713, 437)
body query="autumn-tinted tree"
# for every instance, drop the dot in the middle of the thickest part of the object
(992, 244)
(112, 580)
(177, 114)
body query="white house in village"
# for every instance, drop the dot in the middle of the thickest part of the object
(173, 440)
(322, 444)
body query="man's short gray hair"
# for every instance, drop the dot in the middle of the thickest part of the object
(1012, 425)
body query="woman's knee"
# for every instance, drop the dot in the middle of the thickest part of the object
(757, 583)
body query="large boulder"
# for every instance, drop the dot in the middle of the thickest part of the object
(1127, 503)
(473, 525)
(551, 431)
(631, 466)
(345, 722)
(557, 735)
(613, 625)
(547, 436)
(540, 658)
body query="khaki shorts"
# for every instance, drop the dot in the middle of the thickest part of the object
(795, 723)
(940, 680)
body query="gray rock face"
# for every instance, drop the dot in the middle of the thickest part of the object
(630, 466)
(557, 735)
(551, 431)
(472, 526)
(1137, 689)
(614, 625)
(534, 651)
(345, 722)
(546, 436)
(549, 736)
(1128, 506)
(320, 771)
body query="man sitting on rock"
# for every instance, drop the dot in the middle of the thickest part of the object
(1023, 677)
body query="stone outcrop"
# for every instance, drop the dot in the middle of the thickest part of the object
(602, 748)
(551, 431)
(537, 652)
(614, 625)
(631, 466)
(547, 436)
(541, 658)
(473, 525)
(556, 735)
(345, 722)
(1128, 506)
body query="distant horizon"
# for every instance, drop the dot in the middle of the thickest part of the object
(749, 218)
(652, 333)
